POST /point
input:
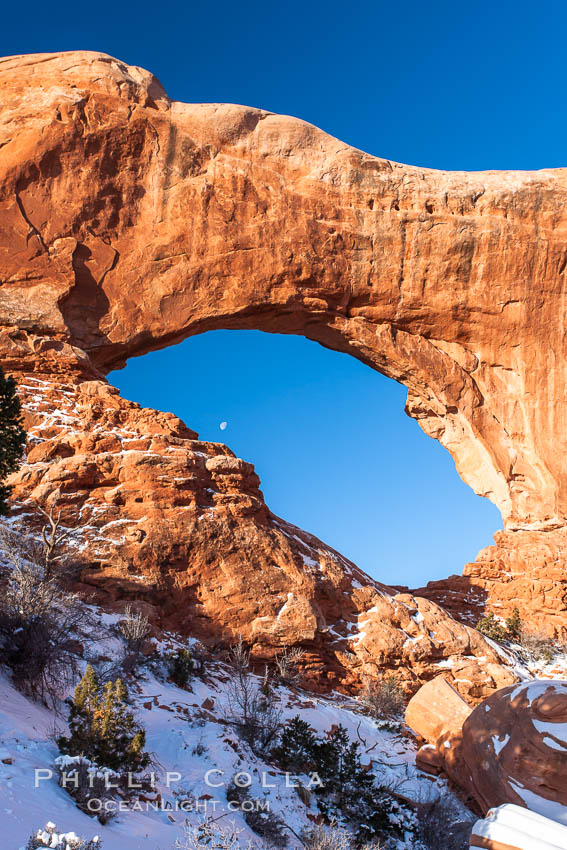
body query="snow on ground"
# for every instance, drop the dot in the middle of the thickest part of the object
(196, 753)
(187, 737)
(509, 825)
(555, 668)
(540, 805)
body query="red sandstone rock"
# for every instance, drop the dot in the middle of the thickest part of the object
(436, 709)
(514, 745)
(128, 221)
(181, 526)
(428, 759)
(525, 569)
(512, 748)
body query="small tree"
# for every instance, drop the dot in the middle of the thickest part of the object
(46, 552)
(251, 707)
(296, 749)
(180, 667)
(53, 536)
(338, 765)
(102, 728)
(514, 625)
(12, 436)
(349, 792)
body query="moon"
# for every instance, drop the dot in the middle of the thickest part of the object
(223, 426)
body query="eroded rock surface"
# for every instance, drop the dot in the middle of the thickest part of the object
(181, 526)
(512, 748)
(129, 221)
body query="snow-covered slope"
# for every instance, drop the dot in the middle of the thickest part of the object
(196, 754)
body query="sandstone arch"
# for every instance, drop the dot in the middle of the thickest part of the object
(129, 222)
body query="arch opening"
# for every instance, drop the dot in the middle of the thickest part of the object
(334, 450)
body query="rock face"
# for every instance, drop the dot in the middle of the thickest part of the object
(512, 748)
(524, 569)
(181, 526)
(129, 221)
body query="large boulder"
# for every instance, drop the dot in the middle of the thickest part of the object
(436, 709)
(514, 745)
(436, 714)
(512, 748)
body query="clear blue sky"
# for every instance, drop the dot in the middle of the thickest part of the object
(335, 452)
(441, 84)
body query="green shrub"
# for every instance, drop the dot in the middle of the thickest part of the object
(506, 632)
(385, 698)
(12, 436)
(491, 628)
(347, 793)
(296, 749)
(514, 625)
(531, 644)
(180, 667)
(102, 728)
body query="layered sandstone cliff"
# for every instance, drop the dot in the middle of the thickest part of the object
(129, 221)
